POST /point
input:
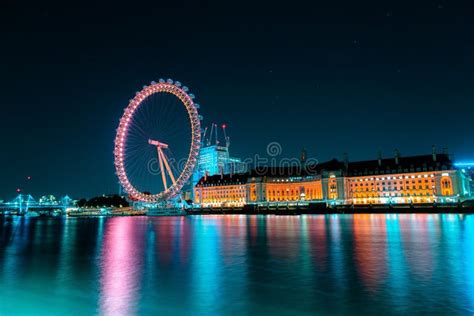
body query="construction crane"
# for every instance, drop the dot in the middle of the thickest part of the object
(204, 135)
(217, 140)
(208, 143)
(214, 135)
(227, 139)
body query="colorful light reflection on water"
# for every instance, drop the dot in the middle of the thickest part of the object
(238, 264)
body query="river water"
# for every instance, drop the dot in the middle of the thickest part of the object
(238, 265)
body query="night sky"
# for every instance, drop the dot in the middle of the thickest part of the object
(331, 76)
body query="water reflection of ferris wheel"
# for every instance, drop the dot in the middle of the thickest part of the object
(157, 142)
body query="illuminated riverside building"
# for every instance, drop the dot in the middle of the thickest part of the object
(399, 180)
(221, 190)
(418, 179)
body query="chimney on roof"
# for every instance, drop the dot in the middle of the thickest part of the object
(345, 158)
(379, 157)
(397, 156)
(433, 152)
(205, 175)
(303, 158)
(446, 152)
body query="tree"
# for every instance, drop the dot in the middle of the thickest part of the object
(82, 202)
(107, 201)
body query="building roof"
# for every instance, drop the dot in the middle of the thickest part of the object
(405, 164)
(357, 168)
(224, 179)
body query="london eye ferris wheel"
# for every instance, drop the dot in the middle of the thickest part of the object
(158, 141)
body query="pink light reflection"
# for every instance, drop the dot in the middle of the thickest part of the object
(121, 265)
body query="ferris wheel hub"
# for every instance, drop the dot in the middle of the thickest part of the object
(157, 143)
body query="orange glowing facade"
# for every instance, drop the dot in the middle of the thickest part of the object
(238, 190)
(409, 180)
(332, 188)
(217, 191)
(417, 187)
(419, 179)
(294, 189)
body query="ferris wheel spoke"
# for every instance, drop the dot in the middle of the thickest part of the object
(139, 136)
(136, 138)
(145, 174)
(136, 165)
(174, 134)
(173, 161)
(136, 141)
(175, 128)
(148, 113)
(175, 169)
(135, 152)
(137, 127)
(164, 119)
(137, 132)
(131, 147)
(166, 106)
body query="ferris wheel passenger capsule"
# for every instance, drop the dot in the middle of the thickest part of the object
(161, 80)
(197, 106)
(185, 89)
(170, 81)
(145, 86)
(191, 96)
(153, 82)
(177, 83)
(200, 117)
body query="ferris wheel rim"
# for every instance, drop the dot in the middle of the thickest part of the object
(186, 99)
